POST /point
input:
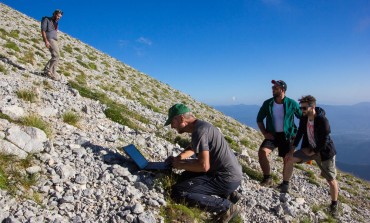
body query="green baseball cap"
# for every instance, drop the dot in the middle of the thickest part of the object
(177, 109)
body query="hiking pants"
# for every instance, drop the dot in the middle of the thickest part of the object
(197, 189)
(52, 64)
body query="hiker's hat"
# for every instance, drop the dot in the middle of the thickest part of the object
(175, 110)
(280, 83)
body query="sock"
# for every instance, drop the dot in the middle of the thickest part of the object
(334, 203)
(285, 182)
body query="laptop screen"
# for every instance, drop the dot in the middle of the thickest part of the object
(135, 154)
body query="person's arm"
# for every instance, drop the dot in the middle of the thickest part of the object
(188, 152)
(262, 113)
(47, 44)
(201, 164)
(265, 133)
(297, 111)
(44, 26)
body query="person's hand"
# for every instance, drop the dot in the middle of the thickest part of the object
(175, 163)
(47, 44)
(268, 135)
(169, 160)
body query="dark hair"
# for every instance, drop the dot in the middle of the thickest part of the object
(311, 100)
(58, 11)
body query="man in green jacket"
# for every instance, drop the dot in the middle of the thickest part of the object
(279, 112)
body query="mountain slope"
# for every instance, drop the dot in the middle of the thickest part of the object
(83, 175)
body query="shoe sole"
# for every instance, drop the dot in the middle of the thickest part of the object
(235, 199)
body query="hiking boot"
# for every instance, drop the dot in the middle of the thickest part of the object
(51, 75)
(334, 210)
(231, 213)
(284, 188)
(267, 182)
(234, 197)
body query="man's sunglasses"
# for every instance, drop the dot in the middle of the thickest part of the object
(304, 108)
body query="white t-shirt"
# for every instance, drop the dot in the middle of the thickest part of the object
(278, 115)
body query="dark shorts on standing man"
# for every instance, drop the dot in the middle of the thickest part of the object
(327, 167)
(279, 142)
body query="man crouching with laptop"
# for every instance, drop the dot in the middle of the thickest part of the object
(215, 171)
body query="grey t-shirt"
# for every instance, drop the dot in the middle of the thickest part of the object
(224, 163)
(48, 26)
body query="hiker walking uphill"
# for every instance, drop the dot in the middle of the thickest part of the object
(279, 112)
(210, 180)
(316, 145)
(49, 32)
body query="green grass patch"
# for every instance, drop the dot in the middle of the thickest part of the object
(255, 174)
(68, 48)
(91, 56)
(252, 173)
(12, 45)
(316, 208)
(3, 69)
(4, 116)
(27, 95)
(126, 93)
(181, 213)
(47, 85)
(312, 178)
(24, 41)
(304, 219)
(234, 145)
(82, 64)
(106, 64)
(71, 118)
(92, 66)
(13, 177)
(116, 112)
(3, 32)
(149, 105)
(40, 54)
(14, 34)
(299, 166)
(36, 121)
(35, 40)
(28, 57)
(81, 78)
(245, 142)
(77, 49)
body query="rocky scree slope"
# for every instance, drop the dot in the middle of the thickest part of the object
(84, 177)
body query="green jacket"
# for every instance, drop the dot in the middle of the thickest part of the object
(291, 109)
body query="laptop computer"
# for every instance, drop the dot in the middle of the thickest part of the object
(142, 162)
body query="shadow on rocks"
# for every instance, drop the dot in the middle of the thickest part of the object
(111, 157)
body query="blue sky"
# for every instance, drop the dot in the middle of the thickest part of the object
(227, 52)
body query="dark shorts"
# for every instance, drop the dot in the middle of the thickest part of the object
(327, 167)
(279, 142)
